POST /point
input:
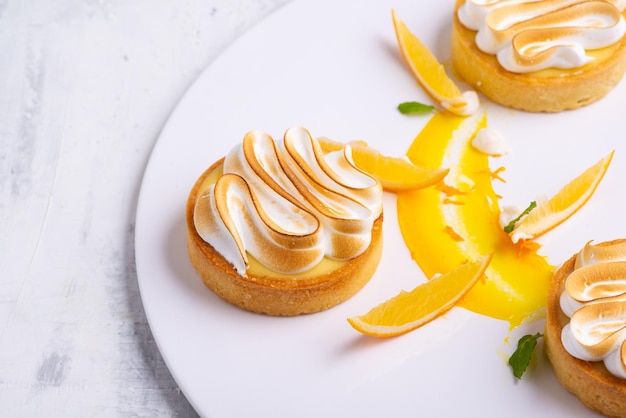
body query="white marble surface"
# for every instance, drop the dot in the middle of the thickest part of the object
(85, 87)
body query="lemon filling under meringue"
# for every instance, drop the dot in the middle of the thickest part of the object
(283, 208)
(535, 36)
(594, 299)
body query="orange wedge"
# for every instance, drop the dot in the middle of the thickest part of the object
(562, 205)
(410, 310)
(395, 174)
(430, 74)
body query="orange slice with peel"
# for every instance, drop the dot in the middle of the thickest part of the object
(410, 310)
(458, 220)
(565, 203)
(430, 74)
(394, 173)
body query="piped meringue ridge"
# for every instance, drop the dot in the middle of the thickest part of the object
(530, 35)
(594, 299)
(287, 204)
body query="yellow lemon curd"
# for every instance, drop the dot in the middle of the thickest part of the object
(459, 220)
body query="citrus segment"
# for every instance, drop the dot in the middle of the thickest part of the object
(430, 74)
(410, 310)
(395, 174)
(562, 205)
(459, 220)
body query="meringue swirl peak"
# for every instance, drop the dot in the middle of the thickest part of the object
(594, 299)
(287, 204)
(531, 35)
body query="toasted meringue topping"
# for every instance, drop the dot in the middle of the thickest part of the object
(595, 300)
(287, 204)
(602, 253)
(531, 35)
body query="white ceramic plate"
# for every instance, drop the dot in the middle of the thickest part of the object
(334, 68)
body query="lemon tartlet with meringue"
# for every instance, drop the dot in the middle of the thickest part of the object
(540, 56)
(585, 332)
(282, 228)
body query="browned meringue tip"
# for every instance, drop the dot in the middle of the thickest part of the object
(602, 252)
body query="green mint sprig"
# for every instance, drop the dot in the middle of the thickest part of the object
(408, 108)
(511, 226)
(520, 359)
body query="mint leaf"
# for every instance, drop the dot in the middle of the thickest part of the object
(511, 226)
(407, 108)
(520, 359)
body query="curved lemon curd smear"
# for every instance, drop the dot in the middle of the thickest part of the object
(255, 268)
(459, 220)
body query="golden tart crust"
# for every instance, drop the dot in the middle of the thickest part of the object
(589, 381)
(277, 295)
(549, 90)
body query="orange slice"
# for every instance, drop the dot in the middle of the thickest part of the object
(458, 220)
(395, 174)
(410, 310)
(565, 203)
(430, 74)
